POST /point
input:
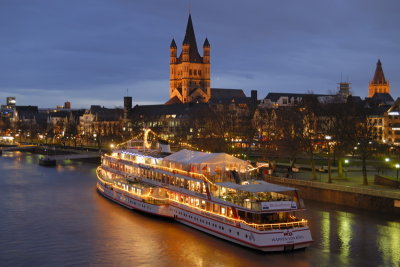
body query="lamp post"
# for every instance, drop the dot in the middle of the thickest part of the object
(397, 171)
(346, 161)
(328, 138)
(387, 160)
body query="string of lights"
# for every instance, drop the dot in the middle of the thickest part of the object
(303, 222)
(146, 131)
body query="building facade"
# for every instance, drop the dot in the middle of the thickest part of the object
(391, 124)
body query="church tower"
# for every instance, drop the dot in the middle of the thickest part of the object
(189, 73)
(378, 84)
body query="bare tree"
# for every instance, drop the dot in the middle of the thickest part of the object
(290, 126)
(309, 109)
(340, 124)
(364, 137)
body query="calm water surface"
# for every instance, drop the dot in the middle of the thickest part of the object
(55, 217)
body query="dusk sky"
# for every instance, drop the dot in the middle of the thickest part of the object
(90, 51)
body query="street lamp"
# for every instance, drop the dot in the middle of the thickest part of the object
(346, 161)
(328, 138)
(397, 170)
(387, 159)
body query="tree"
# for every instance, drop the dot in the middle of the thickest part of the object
(340, 123)
(309, 109)
(208, 129)
(71, 130)
(290, 129)
(364, 136)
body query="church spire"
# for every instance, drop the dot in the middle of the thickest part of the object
(189, 80)
(378, 84)
(173, 44)
(379, 77)
(206, 43)
(190, 39)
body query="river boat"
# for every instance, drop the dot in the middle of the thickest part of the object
(211, 192)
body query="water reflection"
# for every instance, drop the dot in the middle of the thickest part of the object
(389, 243)
(345, 232)
(325, 231)
(54, 216)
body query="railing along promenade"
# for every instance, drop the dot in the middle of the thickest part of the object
(337, 187)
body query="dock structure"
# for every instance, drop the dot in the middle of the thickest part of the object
(85, 155)
(18, 148)
(50, 161)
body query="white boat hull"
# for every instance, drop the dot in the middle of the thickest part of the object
(269, 240)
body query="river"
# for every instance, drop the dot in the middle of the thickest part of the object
(55, 217)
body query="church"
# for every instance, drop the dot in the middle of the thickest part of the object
(190, 95)
(190, 72)
(378, 84)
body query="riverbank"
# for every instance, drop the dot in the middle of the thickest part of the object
(346, 192)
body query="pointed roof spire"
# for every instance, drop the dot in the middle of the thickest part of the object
(173, 44)
(190, 39)
(379, 77)
(206, 43)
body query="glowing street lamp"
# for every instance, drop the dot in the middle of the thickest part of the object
(387, 159)
(346, 161)
(397, 170)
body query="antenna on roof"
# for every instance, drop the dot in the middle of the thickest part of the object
(341, 76)
(127, 93)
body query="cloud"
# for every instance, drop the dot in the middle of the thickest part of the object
(77, 49)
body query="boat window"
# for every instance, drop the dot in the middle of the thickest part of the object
(223, 210)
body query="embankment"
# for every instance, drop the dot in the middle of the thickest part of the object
(350, 196)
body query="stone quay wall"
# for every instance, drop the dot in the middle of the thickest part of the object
(355, 197)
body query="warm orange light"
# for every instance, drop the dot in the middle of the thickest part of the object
(254, 225)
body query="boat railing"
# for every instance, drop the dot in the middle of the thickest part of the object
(248, 204)
(278, 226)
(195, 175)
(155, 201)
